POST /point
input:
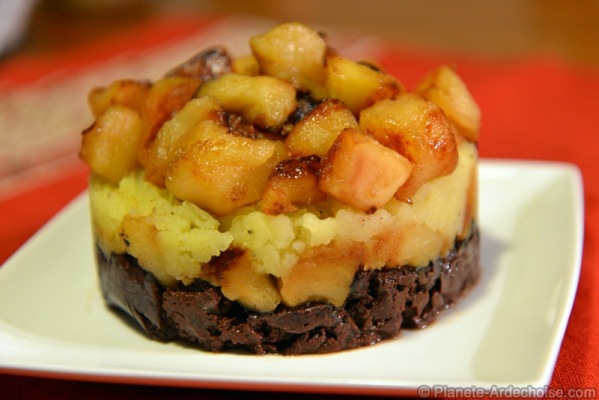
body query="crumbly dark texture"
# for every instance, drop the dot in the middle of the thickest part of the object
(379, 305)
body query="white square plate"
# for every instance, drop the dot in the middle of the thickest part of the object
(508, 331)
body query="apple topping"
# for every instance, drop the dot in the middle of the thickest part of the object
(295, 91)
(222, 172)
(262, 100)
(163, 149)
(124, 92)
(358, 85)
(164, 99)
(292, 52)
(418, 130)
(294, 182)
(446, 89)
(110, 145)
(361, 172)
(246, 65)
(316, 133)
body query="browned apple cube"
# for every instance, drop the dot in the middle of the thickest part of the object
(294, 182)
(316, 133)
(163, 148)
(223, 172)
(444, 87)
(164, 99)
(109, 146)
(361, 172)
(124, 92)
(320, 278)
(292, 52)
(261, 100)
(417, 129)
(246, 65)
(358, 85)
(239, 282)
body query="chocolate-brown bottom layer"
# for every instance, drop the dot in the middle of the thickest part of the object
(380, 303)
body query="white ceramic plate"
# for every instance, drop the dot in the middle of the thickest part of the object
(508, 331)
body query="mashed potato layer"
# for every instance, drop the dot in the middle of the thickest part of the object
(176, 240)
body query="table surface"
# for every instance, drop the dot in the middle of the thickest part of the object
(503, 29)
(536, 61)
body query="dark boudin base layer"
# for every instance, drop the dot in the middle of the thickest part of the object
(379, 305)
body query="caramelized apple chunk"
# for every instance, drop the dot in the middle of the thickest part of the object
(246, 65)
(222, 172)
(444, 87)
(233, 272)
(124, 92)
(163, 149)
(358, 85)
(325, 277)
(292, 52)
(261, 100)
(315, 134)
(418, 130)
(294, 182)
(361, 172)
(110, 145)
(164, 99)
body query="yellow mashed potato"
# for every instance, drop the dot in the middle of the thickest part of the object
(174, 239)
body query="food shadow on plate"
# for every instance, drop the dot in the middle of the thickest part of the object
(531, 292)
(495, 360)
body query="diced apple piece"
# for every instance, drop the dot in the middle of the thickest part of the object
(206, 65)
(223, 172)
(203, 131)
(239, 282)
(294, 182)
(163, 148)
(292, 52)
(246, 65)
(141, 237)
(110, 145)
(124, 92)
(164, 99)
(316, 133)
(318, 279)
(261, 100)
(361, 172)
(417, 129)
(444, 87)
(358, 85)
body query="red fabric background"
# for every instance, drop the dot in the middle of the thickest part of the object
(533, 108)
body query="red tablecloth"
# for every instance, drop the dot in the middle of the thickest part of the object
(533, 108)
